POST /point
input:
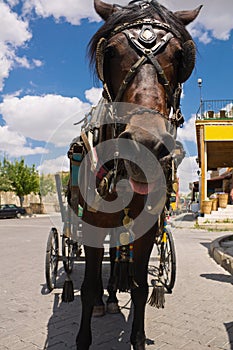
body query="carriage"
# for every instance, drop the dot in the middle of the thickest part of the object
(122, 165)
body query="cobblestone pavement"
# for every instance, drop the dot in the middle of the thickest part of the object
(197, 316)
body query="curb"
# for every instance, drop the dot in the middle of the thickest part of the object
(220, 226)
(217, 253)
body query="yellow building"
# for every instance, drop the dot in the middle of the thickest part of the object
(214, 132)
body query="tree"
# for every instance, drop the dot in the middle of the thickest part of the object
(64, 180)
(24, 179)
(5, 182)
(47, 184)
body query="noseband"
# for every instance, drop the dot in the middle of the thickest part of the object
(147, 47)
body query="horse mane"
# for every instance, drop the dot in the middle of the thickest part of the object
(130, 14)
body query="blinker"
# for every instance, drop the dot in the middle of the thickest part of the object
(147, 36)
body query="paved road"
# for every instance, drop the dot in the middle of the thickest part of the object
(197, 316)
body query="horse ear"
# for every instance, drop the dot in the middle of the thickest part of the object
(104, 10)
(189, 49)
(188, 61)
(187, 17)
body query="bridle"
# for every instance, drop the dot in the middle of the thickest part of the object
(147, 47)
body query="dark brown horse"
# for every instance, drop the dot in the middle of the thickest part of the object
(142, 53)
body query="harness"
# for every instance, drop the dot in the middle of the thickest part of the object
(147, 47)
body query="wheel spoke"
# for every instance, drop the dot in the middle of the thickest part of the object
(51, 261)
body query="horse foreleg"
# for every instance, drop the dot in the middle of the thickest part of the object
(99, 307)
(142, 251)
(112, 301)
(89, 291)
(139, 299)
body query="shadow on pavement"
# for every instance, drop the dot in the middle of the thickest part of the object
(206, 245)
(184, 217)
(229, 329)
(220, 277)
(110, 331)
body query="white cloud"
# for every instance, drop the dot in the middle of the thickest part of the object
(14, 33)
(73, 11)
(215, 17)
(14, 144)
(187, 133)
(44, 118)
(52, 166)
(13, 3)
(93, 95)
(6, 62)
(23, 62)
(37, 63)
(215, 20)
(187, 173)
(13, 94)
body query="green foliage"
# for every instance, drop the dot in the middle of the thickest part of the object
(5, 182)
(64, 180)
(47, 184)
(24, 179)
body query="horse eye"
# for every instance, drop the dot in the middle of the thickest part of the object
(110, 51)
(178, 55)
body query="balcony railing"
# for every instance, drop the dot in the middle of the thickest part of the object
(215, 109)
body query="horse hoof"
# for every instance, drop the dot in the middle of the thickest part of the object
(98, 311)
(140, 346)
(113, 308)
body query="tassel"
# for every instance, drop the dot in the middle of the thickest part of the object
(123, 283)
(124, 276)
(68, 291)
(123, 273)
(157, 297)
(120, 276)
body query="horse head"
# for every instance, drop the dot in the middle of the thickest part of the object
(143, 54)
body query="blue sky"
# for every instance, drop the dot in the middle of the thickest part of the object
(46, 84)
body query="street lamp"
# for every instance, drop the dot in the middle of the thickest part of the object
(199, 182)
(199, 81)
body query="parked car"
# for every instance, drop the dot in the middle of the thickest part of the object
(11, 211)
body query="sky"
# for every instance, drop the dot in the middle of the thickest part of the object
(46, 84)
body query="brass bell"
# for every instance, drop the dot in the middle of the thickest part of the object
(124, 238)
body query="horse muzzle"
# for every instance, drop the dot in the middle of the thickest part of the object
(142, 160)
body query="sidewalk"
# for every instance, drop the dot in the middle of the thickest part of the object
(184, 220)
(221, 249)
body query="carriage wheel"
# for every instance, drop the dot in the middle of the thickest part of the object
(51, 259)
(167, 267)
(69, 253)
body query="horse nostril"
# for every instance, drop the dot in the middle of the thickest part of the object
(169, 142)
(164, 147)
(160, 150)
